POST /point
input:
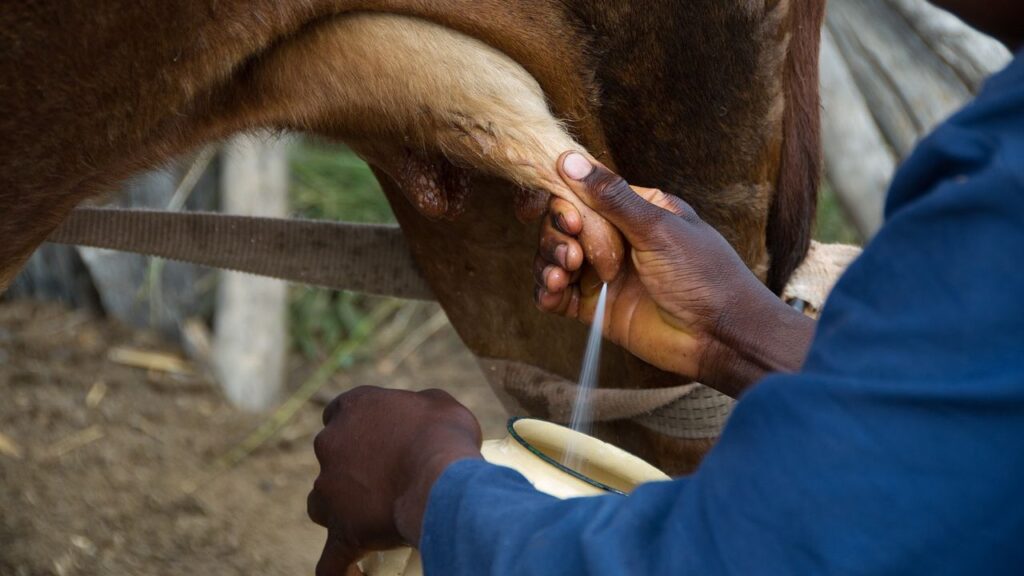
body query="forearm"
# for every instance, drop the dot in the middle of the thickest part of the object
(757, 336)
(485, 519)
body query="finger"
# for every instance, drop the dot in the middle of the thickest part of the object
(548, 301)
(336, 557)
(612, 197)
(549, 276)
(331, 410)
(556, 280)
(348, 399)
(601, 241)
(320, 449)
(438, 394)
(564, 217)
(540, 270)
(565, 303)
(559, 248)
(316, 509)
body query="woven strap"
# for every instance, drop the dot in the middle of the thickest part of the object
(690, 411)
(813, 280)
(338, 255)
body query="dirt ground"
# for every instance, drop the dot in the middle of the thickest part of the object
(106, 468)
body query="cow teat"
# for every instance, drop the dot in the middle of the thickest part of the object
(436, 187)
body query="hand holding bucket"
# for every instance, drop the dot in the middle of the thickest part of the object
(536, 449)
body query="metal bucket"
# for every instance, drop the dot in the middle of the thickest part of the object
(536, 449)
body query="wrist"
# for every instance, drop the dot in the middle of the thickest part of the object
(755, 335)
(411, 504)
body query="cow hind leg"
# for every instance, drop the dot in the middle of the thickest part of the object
(409, 94)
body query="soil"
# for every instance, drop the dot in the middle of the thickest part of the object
(106, 468)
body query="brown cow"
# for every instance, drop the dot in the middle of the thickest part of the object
(713, 100)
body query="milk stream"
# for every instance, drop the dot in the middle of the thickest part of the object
(581, 412)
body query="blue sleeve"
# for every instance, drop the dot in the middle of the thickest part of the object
(897, 448)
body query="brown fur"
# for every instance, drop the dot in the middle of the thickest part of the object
(796, 195)
(687, 96)
(99, 91)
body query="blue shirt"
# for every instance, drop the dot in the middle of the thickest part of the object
(897, 449)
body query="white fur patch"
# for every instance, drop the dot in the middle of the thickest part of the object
(399, 80)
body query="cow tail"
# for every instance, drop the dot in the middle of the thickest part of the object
(792, 213)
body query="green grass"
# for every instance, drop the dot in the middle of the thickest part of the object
(832, 225)
(328, 181)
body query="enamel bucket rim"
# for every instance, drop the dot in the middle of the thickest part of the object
(512, 432)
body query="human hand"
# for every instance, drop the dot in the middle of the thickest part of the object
(380, 453)
(684, 301)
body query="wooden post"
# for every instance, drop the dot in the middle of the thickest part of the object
(250, 342)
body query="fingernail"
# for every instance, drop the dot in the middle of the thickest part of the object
(560, 253)
(560, 224)
(563, 224)
(576, 166)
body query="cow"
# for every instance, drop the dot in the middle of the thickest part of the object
(461, 107)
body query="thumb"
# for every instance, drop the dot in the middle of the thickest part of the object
(612, 197)
(337, 559)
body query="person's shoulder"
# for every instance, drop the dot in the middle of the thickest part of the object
(985, 138)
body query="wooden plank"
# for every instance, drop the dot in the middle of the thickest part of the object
(250, 341)
(858, 161)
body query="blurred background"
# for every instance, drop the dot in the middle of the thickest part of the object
(157, 417)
